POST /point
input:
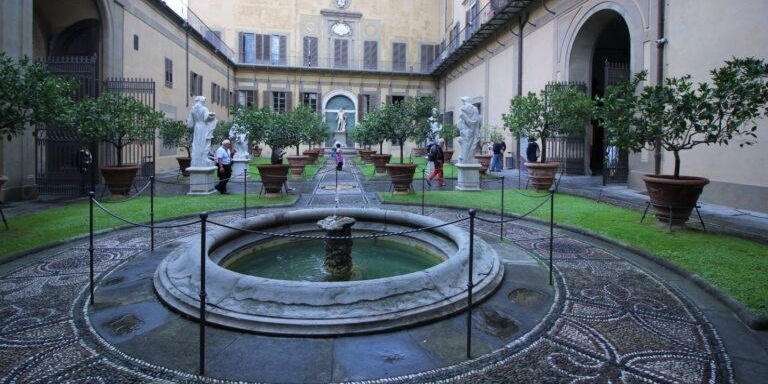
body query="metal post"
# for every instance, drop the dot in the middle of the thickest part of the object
(469, 281)
(245, 192)
(423, 181)
(91, 195)
(551, 228)
(152, 212)
(501, 226)
(203, 218)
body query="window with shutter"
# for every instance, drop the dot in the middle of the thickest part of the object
(371, 55)
(428, 56)
(168, 73)
(247, 48)
(398, 56)
(455, 37)
(309, 99)
(340, 53)
(310, 51)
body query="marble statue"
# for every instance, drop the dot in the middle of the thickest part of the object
(341, 121)
(434, 128)
(202, 122)
(469, 128)
(240, 137)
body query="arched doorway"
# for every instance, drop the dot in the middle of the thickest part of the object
(340, 114)
(600, 55)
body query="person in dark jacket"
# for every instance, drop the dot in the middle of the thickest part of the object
(436, 156)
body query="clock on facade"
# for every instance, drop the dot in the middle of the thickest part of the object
(341, 29)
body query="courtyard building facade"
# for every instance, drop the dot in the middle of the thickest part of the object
(350, 56)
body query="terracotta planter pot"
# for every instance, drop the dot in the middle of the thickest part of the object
(273, 177)
(380, 162)
(401, 176)
(119, 180)
(542, 175)
(365, 155)
(184, 163)
(485, 162)
(312, 155)
(297, 164)
(672, 199)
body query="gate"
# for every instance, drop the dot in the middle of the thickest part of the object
(570, 151)
(61, 166)
(616, 161)
(140, 154)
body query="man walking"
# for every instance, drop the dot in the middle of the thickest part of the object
(224, 164)
(436, 156)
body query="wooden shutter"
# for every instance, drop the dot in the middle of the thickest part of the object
(371, 55)
(310, 51)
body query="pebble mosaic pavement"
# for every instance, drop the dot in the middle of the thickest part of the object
(611, 321)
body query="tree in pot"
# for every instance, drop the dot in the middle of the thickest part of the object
(407, 120)
(273, 176)
(29, 95)
(490, 134)
(449, 132)
(315, 130)
(678, 115)
(370, 132)
(364, 135)
(176, 134)
(559, 109)
(118, 121)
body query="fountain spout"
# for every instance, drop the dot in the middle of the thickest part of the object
(338, 246)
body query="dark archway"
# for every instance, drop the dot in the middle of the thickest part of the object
(79, 39)
(611, 47)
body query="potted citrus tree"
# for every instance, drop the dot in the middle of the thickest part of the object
(370, 132)
(118, 121)
(678, 115)
(407, 121)
(29, 95)
(559, 109)
(176, 134)
(449, 132)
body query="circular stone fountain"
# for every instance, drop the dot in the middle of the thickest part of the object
(286, 307)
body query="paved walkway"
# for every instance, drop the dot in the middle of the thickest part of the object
(610, 316)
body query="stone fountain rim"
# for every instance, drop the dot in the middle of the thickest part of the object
(262, 305)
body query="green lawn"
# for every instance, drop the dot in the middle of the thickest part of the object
(736, 266)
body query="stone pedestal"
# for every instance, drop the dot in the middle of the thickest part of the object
(468, 177)
(238, 169)
(341, 137)
(202, 180)
(338, 246)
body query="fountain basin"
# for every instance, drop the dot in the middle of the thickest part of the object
(284, 307)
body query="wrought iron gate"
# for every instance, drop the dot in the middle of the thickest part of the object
(60, 159)
(63, 165)
(570, 151)
(615, 161)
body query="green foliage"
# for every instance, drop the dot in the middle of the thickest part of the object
(449, 132)
(678, 115)
(115, 119)
(176, 134)
(311, 123)
(560, 109)
(255, 122)
(403, 120)
(30, 95)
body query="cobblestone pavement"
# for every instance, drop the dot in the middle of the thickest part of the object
(612, 317)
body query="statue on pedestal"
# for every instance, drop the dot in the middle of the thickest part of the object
(203, 122)
(469, 127)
